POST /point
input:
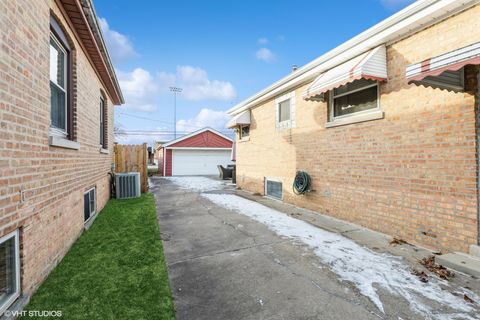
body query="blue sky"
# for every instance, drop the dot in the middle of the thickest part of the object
(220, 52)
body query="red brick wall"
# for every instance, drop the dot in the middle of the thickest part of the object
(411, 174)
(53, 179)
(168, 162)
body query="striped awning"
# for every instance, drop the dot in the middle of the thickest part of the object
(239, 120)
(370, 65)
(451, 61)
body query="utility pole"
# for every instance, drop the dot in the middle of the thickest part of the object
(175, 90)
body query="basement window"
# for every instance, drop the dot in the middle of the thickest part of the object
(9, 270)
(89, 203)
(273, 189)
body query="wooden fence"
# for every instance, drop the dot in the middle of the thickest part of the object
(132, 158)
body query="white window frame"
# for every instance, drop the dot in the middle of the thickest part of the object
(372, 110)
(103, 111)
(287, 123)
(54, 130)
(15, 234)
(92, 213)
(265, 187)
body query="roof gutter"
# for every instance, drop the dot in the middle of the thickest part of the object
(92, 20)
(420, 14)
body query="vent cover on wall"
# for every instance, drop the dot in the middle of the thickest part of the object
(127, 185)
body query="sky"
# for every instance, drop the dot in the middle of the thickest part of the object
(219, 52)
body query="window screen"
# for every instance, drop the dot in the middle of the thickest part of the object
(9, 271)
(89, 205)
(274, 189)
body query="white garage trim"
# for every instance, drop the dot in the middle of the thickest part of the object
(199, 148)
(194, 134)
(199, 161)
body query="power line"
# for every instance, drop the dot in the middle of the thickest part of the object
(156, 120)
(154, 133)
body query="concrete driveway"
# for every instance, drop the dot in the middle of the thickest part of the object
(224, 265)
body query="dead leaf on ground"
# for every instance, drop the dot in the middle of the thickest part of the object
(436, 268)
(421, 275)
(396, 241)
(468, 299)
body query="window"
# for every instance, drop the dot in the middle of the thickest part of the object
(353, 98)
(9, 270)
(244, 131)
(61, 118)
(89, 203)
(58, 86)
(450, 80)
(273, 189)
(103, 125)
(285, 111)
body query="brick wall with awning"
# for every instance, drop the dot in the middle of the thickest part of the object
(450, 61)
(370, 65)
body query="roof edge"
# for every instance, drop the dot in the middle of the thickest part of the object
(191, 134)
(418, 15)
(92, 21)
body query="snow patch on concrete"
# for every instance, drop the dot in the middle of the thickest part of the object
(365, 268)
(201, 184)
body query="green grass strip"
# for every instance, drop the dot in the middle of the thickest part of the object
(116, 269)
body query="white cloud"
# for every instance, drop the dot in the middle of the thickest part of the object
(205, 118)
(139, 89)
(265, 54)
(395, 4)
(196, 85)
(119, 46)
(262, 41)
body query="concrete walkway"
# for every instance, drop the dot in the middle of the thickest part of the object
(224, 265)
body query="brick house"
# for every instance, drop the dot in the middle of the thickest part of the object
(385, 125)
(57, 92)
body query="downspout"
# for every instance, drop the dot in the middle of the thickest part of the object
(477, 129)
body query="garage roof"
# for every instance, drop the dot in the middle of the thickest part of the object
(192, 134)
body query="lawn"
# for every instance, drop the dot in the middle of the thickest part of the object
(116, 270)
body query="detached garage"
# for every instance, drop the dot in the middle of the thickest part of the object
(197, 153)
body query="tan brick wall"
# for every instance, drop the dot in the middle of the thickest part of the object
(53, 179)
(411, 174)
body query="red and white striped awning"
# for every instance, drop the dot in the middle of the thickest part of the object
(370, 65)
(451, 61)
